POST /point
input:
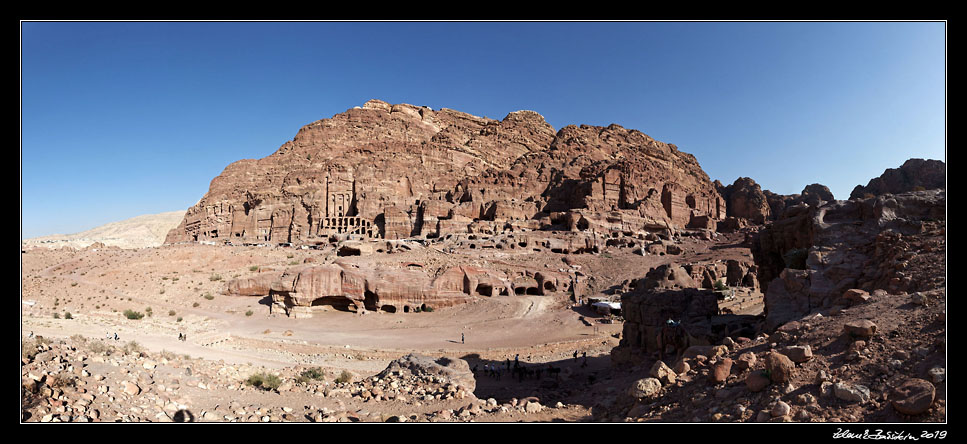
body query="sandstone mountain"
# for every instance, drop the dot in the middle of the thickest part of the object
(138, 232)
(913, 175)
(397, 171)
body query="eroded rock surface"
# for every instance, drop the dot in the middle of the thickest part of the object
(399, 171)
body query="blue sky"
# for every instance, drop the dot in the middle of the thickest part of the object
(121, 119)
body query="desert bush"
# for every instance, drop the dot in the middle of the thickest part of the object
(132, 348)
(171, 312)
(264, 381)
(68, 315)
(253, 268)
(56, 315)
(131, 314)
(195, 304)
(314, 373)
(179, 319)
(215, 277)
(208, 296)
(344, 377)
(249, 313)
(101, 348)
(429, 309)
(720, 286)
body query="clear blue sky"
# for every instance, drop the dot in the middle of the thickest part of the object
(123, 119)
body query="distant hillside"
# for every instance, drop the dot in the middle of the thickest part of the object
(148, 230)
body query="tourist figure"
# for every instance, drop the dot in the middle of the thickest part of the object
(115, 336)
(462, 339)
(575, 356)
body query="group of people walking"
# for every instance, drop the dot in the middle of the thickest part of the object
(518, 370)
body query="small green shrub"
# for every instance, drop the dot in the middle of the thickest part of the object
(195, 304)
(209, 296)
(720, 286)
(67, 315)
(56, 315)
(264, 381)
(171, 312)
(253, 268)
(179, 319)
(131, 314)
(429, 309)
(215, 277)
(314, 373)
(249, 313)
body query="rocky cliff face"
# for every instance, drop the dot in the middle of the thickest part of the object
(913, 175)
(809, 258)
(397, 171)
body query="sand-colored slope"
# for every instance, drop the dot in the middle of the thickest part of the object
(147, 230)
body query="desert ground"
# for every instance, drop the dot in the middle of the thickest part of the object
(181, 289)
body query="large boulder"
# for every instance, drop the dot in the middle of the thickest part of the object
(645, 388)
(453, 370)
(647, 311)
(913, 397)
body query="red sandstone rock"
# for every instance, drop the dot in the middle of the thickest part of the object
(913, 175)
(720, 371)
(779, 367)
(398, 171)
(913, 397)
